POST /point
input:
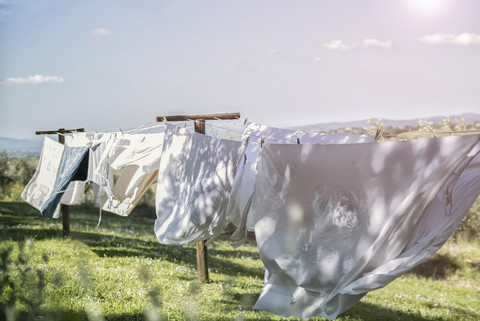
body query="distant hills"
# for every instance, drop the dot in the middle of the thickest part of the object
(21, 147)
(469, 118)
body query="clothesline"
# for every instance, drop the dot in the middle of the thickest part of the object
(201, 178)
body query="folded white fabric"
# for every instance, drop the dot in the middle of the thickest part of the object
(193, 187)
(42, 184)
(333, 222)
(242, 191)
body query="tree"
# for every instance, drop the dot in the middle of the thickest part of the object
(23, 171)
(5, 178)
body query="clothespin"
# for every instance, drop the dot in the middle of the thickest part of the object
(121, 131)
(244, 159)
(298, 140)
(245, 122)
(262, 140)
(377, 134)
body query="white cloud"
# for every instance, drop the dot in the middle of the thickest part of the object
(338, 45)
(374, 43)
(100, 33)
(32, 80)
(463, 39)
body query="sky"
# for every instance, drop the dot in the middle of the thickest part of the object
(105, 65)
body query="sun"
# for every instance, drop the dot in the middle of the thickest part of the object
(428, 8)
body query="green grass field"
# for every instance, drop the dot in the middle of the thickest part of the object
(121, 272)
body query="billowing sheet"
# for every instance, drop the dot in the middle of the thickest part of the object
(333, 222)
(239, 209)
(193, 187)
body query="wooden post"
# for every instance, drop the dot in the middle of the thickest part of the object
(63, 208)
(199, 121)
(202, 257)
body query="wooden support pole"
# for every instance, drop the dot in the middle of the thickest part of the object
(63, 208)
(199, 121)
(199, 117)
(202, 257)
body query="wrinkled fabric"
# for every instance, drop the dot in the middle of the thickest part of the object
(115, 145)
(74, 193)
(122, 203)
(194, 181)
(437, 225)
(242, 192)
(145, 153)
(333, 222)
(41, 185)
(73, 167)
(138, 161)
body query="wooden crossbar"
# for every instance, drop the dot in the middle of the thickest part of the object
(199, 117)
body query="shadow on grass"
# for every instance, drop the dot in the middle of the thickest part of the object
(30, 224)
(437, 267)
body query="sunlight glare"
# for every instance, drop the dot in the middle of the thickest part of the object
(433, 8)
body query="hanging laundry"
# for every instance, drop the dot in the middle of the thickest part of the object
(41, 185)
(139, 162)
(117, 143)
(52, 177)
(242, 192)
(74, 195)
(437, 225)
(145, 154)
(331, 220)
(194, 182)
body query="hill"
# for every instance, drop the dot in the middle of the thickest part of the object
(21, 147)
(468, 117)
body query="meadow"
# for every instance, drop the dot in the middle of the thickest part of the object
(120, 272)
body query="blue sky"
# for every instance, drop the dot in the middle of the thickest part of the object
(105, 65)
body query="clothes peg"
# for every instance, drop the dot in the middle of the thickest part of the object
(244, 159)
(262, 140)
(245, 121)
(298, 140)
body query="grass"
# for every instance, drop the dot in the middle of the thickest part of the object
(121, 272)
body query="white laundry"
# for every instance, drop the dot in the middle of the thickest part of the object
(333, 222)
(74, 194)
(438, 223)
(40, 187)
(138, 159)
(242, 192)
(193, 187)
(115, 145)
(122, 203)
(145, 152)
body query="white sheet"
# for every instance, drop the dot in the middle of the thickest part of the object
(194, 182)
(333, 222)
(239, 209)
(40, 187)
